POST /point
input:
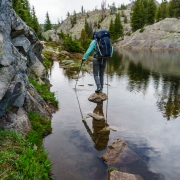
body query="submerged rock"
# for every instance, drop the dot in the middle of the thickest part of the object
(119, 153)
(116, 175)
(98, 97)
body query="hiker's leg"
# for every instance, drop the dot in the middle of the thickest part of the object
(101, 72)
(96, 66)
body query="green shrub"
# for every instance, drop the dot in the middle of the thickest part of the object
(44, 91)
(71, 45)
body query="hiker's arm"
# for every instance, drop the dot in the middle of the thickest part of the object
(89, 50)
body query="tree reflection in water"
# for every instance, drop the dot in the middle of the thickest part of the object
(142, 66)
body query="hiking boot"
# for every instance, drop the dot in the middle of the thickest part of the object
(99, 90)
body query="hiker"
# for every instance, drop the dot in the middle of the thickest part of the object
(99, 61)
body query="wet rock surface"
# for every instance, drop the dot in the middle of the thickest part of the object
(119, 154)
(116, 175)
(98, 97)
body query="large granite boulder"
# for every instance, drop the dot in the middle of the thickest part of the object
(20, 49)
(50, 35)
(161, 35)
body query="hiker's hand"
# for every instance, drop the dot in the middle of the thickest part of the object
(83, 59)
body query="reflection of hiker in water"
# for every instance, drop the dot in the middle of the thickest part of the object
(99, 135)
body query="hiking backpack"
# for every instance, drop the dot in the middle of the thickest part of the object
(103, 45)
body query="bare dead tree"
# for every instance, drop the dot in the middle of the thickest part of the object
(103, 8)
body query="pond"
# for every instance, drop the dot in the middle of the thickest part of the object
(144, 106)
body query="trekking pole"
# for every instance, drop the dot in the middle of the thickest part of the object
(107, 92)
(78, 74)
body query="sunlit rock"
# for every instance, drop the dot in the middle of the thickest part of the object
(116, 175)
(98, 97)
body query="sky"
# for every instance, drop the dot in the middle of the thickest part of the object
(57, 9)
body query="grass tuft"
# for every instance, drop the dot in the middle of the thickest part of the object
(45, 93)
(24, 158)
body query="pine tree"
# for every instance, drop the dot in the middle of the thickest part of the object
(47, 24)
(150, 12)
(34, 21)
(174, 8)
(111, 30)
(118, 28)
(164, 9)
(138, 15)
(158, 14)
(88, 29)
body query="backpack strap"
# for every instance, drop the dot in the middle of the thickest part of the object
(98, 48)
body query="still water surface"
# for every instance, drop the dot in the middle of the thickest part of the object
(143, 104)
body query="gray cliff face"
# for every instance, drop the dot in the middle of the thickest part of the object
(20, 52)
(161, 35)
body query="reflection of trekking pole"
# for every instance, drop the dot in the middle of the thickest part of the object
(78, 73)
(107, 92)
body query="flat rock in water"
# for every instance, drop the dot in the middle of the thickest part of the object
(98, 97)
(90, 84)
(96, 116)
(119, 153)
(117, 175)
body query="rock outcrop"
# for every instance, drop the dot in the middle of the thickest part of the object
(92, 17)
(20, 53)
(50, 35)
(161, 35)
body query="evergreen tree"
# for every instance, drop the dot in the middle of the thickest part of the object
(118, 28)
(88, 29)
(47, 24)
(73, 19)
(164, 9)
(111, 30)
(84, 39)
(158, 14)
(150, 12)
(68, 14)
(138, 15)
(34, 21)
(174, 8)
(22, 8)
